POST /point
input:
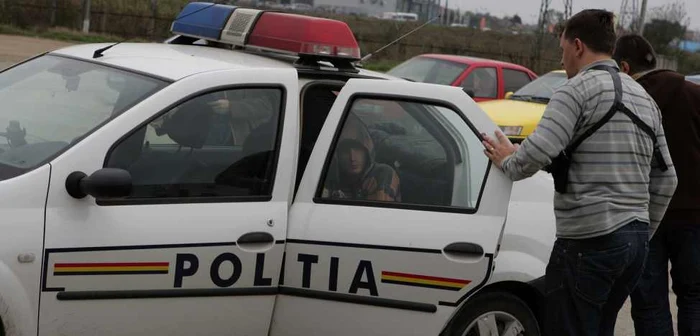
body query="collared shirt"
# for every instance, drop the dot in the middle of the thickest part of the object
(614, 178)
(639, 75)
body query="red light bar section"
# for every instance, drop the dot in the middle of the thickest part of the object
(304, 35)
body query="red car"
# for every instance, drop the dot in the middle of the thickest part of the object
(483, 79)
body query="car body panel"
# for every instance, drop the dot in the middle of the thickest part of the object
(515, 113)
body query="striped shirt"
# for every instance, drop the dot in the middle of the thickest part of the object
(614, 178)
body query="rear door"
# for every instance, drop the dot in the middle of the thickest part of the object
(398, 215)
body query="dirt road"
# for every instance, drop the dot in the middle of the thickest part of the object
(16, 48)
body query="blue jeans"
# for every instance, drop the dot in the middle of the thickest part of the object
(588, 280)
(679, 243)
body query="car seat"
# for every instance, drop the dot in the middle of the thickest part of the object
(189, 128)
(254, 171)
(419, 162)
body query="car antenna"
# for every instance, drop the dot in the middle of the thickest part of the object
(99, 52)
(368, 56)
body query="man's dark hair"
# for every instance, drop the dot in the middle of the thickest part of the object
(636, 51)
(594, 27)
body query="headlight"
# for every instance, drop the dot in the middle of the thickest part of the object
(511, 130)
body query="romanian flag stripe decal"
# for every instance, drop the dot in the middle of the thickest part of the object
(111, 268)
(423, 281)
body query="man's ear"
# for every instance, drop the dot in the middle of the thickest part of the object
(580, 47)
(625, 67)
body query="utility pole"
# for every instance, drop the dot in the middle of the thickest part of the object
(53, 13)
(642, 17)
(447, 12)
(86, 16)
(629, 17)
(540, 34)
(567, 9)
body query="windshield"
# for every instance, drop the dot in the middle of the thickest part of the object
(541, 88)
(429, 70)
(694, 79)
(51, 102)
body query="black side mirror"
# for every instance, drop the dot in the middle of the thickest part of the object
(470, 92)
(104, 183)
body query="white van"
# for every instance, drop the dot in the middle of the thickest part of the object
(399, 16)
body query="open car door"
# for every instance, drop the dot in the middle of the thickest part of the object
(398, 215)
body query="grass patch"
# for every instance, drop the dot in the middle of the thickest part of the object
(64, 34)
(381, 66)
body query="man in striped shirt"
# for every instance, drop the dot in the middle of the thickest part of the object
(616, 189)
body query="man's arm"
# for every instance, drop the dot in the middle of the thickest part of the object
(662, 184)
(551, 136)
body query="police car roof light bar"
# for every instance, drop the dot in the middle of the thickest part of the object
(305, 35)
(301, 35)
(202, 20)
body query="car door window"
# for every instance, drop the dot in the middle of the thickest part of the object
(219, 144)
(429, 70)
(483, 82)
(513, 80)
(405, 153)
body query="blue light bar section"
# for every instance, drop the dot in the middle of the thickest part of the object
(205, 20)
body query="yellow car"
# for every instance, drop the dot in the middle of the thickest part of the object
(519, 113)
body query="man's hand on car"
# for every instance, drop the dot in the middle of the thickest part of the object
(498, 149)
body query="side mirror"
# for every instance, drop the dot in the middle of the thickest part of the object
(508, 95)
(104, 183)
(470, 92)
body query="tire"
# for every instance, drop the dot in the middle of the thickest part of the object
(502, 311)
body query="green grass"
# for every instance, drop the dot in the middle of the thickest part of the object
(68, 35)
(381, 66)
(63, 34)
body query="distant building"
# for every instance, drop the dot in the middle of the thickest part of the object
(423, 8)
(363, 7)
(690, 46)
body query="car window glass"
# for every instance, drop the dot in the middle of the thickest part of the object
(50, 103)
(429, 70)
(399, 152)
(220, 144)
(513, 80)
(541, 88)
(483, 82)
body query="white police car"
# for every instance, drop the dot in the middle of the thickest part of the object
(246, 178)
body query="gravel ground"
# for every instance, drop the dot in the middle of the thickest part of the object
(624, 325)
(16, 48)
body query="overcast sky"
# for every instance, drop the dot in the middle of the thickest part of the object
(529, 9)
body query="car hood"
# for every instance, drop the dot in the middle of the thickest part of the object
(507, 112)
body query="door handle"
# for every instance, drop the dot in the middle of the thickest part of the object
(462, 249)
(256, 238)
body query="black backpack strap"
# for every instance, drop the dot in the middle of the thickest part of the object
(559, 168)
(608, 115)
(635, 119)
(617, 106)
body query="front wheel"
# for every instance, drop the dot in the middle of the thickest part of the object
(497, 313)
